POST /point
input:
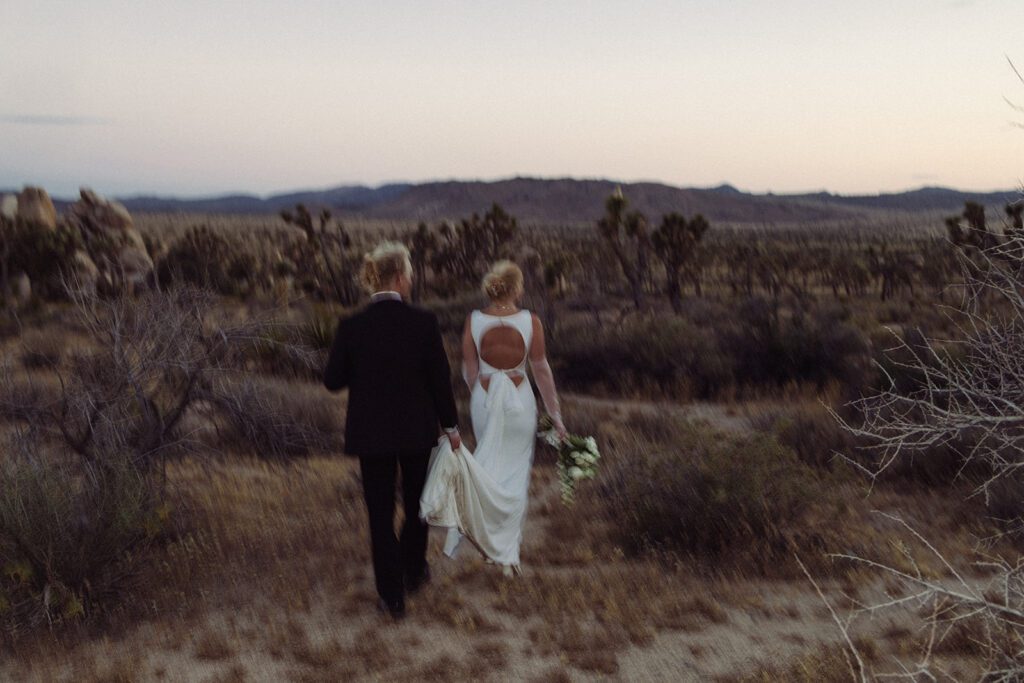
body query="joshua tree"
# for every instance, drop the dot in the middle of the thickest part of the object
(424, 244)
(674, 242)
(1014, 212)
(617, 228)
(467, 248)
(976, 234)
(893, 269)
(326, 242)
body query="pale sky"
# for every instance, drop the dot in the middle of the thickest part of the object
(197, 98)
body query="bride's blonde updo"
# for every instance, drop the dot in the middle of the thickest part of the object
(503, 282)
(383, 264)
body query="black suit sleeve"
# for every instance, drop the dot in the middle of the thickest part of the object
(439, 376)
(336, 376)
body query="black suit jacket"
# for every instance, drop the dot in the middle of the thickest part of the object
(391, 357)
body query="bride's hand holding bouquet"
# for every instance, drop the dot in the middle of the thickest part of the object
(577, 456)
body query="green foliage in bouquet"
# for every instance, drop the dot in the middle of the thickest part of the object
(577, 458)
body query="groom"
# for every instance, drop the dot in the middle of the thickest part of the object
(391, 357)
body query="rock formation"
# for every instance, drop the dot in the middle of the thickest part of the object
(108, 227)
(9, 206)
(114, 257)
(36, 207)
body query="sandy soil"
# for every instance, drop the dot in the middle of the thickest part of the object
(469, 623)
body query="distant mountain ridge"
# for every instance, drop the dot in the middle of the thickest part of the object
(568, 200)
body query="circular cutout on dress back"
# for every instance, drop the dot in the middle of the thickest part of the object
(503, 348)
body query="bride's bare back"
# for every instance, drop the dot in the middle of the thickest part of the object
(503, 348)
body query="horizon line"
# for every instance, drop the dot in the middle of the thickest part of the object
(136, 195)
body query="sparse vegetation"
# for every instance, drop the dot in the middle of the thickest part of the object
(152, 504)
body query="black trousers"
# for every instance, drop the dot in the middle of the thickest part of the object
(395, 559)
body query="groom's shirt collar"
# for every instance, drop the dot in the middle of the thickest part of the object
(385, 296)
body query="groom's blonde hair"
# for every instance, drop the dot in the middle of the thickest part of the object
(383, 264)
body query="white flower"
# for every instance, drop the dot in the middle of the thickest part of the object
(575, 473)
(591, 444)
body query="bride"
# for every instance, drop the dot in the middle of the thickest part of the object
(482, 496)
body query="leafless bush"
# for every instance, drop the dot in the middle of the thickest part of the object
(82, 486)
(967, 390)
(974, 396)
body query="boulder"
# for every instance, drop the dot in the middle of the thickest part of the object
(36, 207)
(107, 222)
(112, 215)
(86, 270)
(9, 206)
(135, 265)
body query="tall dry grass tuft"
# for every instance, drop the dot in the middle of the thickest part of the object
(276, 419)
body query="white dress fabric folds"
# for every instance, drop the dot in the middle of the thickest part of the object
(483, 495)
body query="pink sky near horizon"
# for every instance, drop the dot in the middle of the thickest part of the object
(192, 98)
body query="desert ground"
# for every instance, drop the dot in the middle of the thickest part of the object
(735, 531)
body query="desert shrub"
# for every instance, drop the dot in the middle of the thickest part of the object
(285, 351)
(812, 433)
(707, 495)
(43, 253)
(42, 349)
(25, 399)
(720, 352)
(809, 346)
(219, 261)
(277, 420)
(69, 535)
(1006, 505)
(669, 356)
(452, 312)
(82, 487)
(317, 332)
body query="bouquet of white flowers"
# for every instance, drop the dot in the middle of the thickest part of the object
(577, 458)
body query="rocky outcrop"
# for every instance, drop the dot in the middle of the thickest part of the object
(36, 207)
(107, 227)
(9, 206)
(113, 256)
(88, 273)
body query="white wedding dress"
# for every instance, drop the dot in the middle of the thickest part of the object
(482, 496)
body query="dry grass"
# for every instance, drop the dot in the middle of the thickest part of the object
(270, 572)
(830, 664)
